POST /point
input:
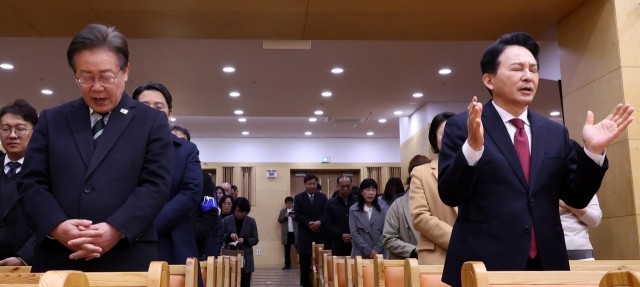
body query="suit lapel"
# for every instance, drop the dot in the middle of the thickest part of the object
(8, 196)
(80, 123)
(495, 128)
(375, 215)
(538, 139)
(434, 167)
(362, 217)
(116, 124)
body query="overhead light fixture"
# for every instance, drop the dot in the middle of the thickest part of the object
(382, 120)
(234, 94)
(444, 71)
(337, 70)
(318, 112)
(308, 133)
(228, 69)
(397, 113)
(554, 113)
(242, 120)
(47, 92)
(245, 133)
(173, 119)
(313, 120)
(370, 133)
(238, 112)
(6, 66)
(326, 94)
(417, 95)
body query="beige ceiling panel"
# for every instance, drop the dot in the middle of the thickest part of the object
(541, 27)
(12, 24)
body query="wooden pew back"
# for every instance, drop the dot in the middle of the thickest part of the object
(363, 272)
(604, 265)
(339, 267)
(184, 275)
(157, 276)
(621, 278)
(422, 275)
(63, 279)
(474, 274)
(389, 273)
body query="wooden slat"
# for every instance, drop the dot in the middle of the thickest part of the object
(63, 279)
(211, 272)
(15, 269)
(545, 277)
(620, 279)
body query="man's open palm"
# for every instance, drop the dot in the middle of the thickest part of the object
(597, 136)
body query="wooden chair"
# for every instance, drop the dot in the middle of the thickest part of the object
(620, 278)
(474, 274)
(315, 255)
(184, 275)
(422, 275)
(389, 273)
(341, 276)
(350, 271)
(363, 274)
(322, 267)
(604, 265)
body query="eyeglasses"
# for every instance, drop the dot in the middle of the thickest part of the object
(20, 132)
(156, 105)
(105, 80)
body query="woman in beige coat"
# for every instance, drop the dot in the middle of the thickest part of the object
(431, 218)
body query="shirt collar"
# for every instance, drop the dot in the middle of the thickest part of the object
(366, 208)
(7, 160)
(91, 112)
(506, 116)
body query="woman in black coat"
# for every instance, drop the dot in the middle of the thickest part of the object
(242, 230)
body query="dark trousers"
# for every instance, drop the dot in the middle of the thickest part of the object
(534, 264)
(245, 281)
(305, 269)
(291, 240)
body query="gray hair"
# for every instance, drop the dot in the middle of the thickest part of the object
(98, 36)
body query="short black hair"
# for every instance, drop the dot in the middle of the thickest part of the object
(490, 59)
(23, 109)
(219, 188)
(235, 188)
(310, 176)
(437, 121)
(153, 86)
(368, 183)
(343, 176)
(223, 199)
(183, 130)
(288, 199)
(394, 186)
(98, 36)
(241, 203)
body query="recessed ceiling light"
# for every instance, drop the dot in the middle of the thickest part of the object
(382, 120)
(417, 95)
(245, 133)
(234, 94)
(308, 133)
(318, 112)
(326, 94)
(228, 69)
(313, 120)
(47, 92)
(397, 113)
(242, 120)
(554, 113)
(6, 66)
(238, 112)
(444, 71)
(173, 119)
(370, 133)
(337, 70)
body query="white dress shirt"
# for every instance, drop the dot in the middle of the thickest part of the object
(368, 210)
(6, 164)
(290, 223)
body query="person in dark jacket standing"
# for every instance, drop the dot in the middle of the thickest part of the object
(336, 218)
(308, 208)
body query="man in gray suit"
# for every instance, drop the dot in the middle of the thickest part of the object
(289, 223)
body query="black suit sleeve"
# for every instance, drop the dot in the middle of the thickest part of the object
(27, 250)
(328, 225)
(297, 209)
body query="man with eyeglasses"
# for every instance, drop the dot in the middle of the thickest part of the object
(16, 241)
(98, 169)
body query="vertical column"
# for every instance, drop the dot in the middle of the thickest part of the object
(600, 64)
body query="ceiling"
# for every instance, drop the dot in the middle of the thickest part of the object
(289, 19)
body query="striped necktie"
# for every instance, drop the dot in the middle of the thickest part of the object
(98, 128)
(13, 168)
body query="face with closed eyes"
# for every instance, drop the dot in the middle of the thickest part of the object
(98, 64)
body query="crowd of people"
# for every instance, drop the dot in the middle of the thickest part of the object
(103, 183)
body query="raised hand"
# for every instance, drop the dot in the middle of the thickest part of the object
(475, 129)
(597, 137)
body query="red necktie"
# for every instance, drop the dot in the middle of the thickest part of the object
(521, 143)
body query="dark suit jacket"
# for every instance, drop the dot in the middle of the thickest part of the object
(496, 207)
(305, 213)
(335, 222)
(207, 224)
(249, 234)
(176, 239)
(125, 182)
(16, 239)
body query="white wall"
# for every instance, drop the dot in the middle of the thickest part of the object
(423, 116)
(305, 150)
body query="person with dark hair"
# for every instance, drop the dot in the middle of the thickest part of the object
(241, 230)
(432, 219)
(336, 218)
(506, 168)
(355, 191)
(308, 207)
(234, 194)
(176, 240)
(219, 193)
(393, 187)
(226, 206)
(17, 243)
(181, 132)
(366, 222)
(97, 171)
(289, 228)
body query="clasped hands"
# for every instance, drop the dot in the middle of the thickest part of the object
(595, 136)
(87, 240)
(234, 237)
(314, 226)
